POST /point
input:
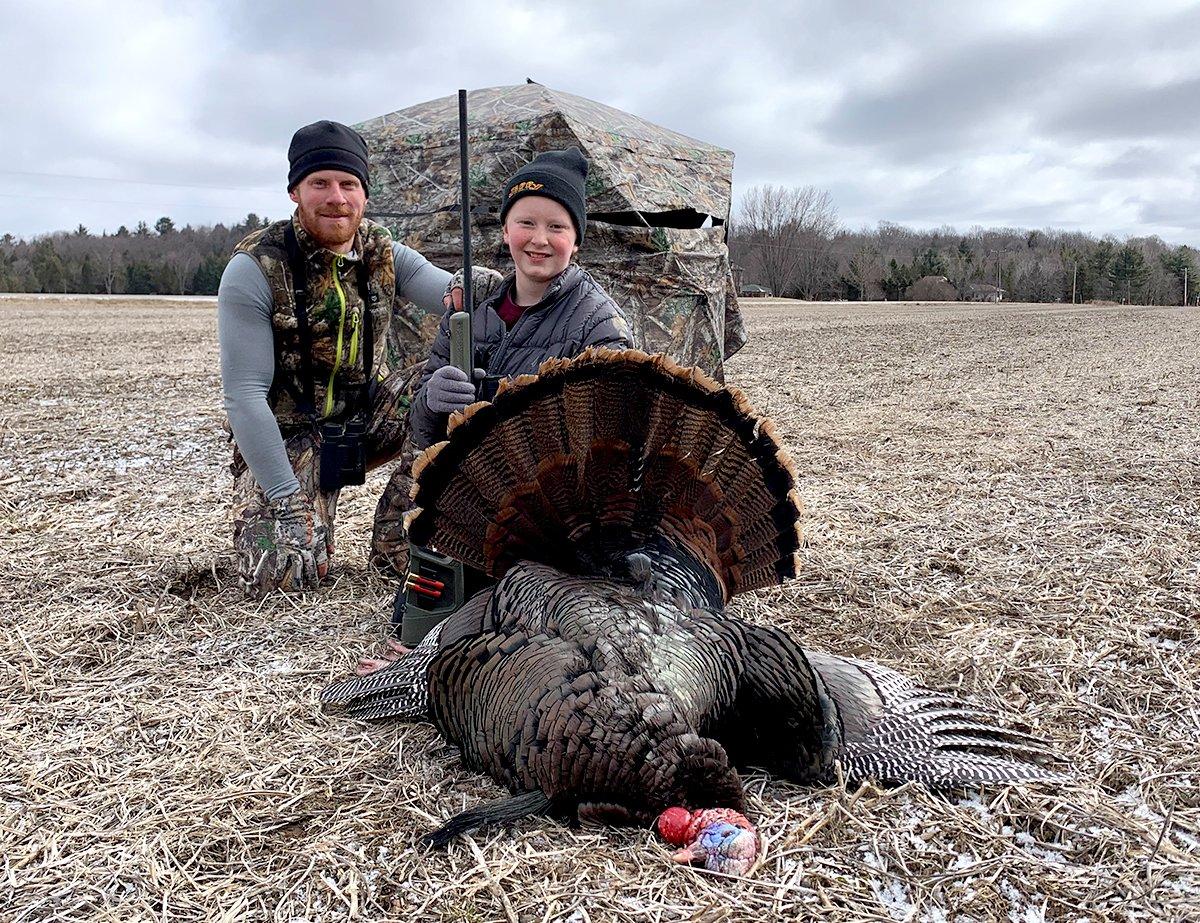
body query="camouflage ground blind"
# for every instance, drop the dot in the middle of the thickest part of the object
(649, 191)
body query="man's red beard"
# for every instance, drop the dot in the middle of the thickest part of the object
(325, 234)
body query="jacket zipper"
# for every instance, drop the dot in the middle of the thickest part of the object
(504, 337)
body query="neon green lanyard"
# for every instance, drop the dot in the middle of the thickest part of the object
(354, 323)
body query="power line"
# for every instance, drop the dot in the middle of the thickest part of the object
(786, 247)
(136, 182)
(54, 198)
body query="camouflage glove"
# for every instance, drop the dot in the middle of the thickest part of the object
(292, 552)
(484, 281)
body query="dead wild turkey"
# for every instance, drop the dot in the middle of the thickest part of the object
(621, 501)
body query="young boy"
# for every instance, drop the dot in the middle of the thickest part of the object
(549, 307)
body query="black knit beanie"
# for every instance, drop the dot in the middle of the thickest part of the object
(326, 145)
(557, 175)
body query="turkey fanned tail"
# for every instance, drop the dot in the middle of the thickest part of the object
(895, 731)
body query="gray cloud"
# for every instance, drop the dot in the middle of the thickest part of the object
(951, 100)
(1165, 110)
(1140, 161)
(1179, 214)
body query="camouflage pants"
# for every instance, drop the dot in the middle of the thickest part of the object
(387, 438)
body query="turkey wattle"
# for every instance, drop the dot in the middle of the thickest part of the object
(621, 501)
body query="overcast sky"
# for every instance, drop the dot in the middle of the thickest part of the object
(1031, 114)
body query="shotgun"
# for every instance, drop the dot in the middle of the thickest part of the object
(434, 586)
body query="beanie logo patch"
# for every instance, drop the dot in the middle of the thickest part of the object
(527, 186)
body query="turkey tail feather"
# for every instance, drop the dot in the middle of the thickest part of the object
(505, 811)
(399, 690)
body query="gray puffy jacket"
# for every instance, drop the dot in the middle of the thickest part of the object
(575, 313)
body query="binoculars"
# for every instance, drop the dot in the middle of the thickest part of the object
(343, 454)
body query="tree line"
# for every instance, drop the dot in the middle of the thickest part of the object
(158, 260)
(789, 241)
(786, 239)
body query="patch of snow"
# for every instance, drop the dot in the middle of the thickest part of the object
(1032, 846)
(964, 860)
(1022, 909)
(973, 801)
(1185, 884)
(892, 893)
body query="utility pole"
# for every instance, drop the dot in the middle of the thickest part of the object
(1185, 285)
(1074, 276)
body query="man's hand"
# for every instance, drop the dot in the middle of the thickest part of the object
(293, 554)
(484, 281)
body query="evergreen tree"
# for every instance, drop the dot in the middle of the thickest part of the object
(929, 263)
(899, 278)
(207, 277)
(1128, 272)
(139, 278)
(89, 278)
(8, 278)
(48, 267)
(1180, 263)
(164, 226)
(1099, 270)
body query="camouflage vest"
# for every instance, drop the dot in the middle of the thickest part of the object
(327, 272)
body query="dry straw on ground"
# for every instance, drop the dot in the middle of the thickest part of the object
(1002, 500)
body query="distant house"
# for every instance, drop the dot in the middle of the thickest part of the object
(931, 288)
(754, 291)
(981, 291)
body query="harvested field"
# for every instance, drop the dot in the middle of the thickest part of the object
(1003, 500)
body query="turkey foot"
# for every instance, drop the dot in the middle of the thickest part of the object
(368, 665)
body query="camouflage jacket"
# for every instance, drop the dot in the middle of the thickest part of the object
(335, 315)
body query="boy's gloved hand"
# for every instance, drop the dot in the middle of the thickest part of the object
(483, 281)
(296, 555)
(449, 389)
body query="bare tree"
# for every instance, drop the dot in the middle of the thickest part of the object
(789, 232)
(865, 270)
(112, 265)
(181, 263)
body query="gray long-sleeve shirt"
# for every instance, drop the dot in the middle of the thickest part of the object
(244, 307)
